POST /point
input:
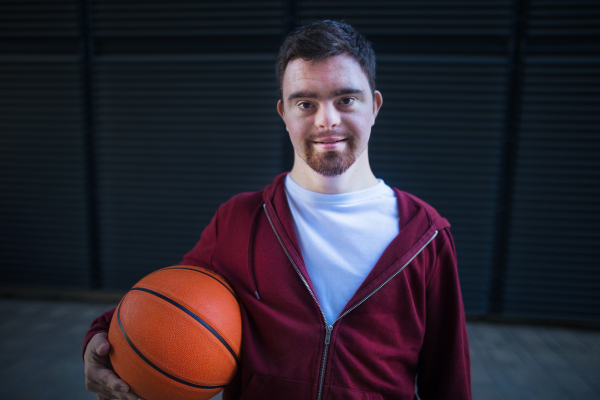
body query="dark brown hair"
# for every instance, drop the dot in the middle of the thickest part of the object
(324, 39)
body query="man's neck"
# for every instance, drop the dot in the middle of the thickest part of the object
(358, 177)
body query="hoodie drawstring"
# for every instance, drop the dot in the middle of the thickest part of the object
(251, 253)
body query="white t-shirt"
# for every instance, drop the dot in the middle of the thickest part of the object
(341, 237)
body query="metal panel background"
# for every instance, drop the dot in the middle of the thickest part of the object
(564, 18)
(43, 215)
(177, 136)
(160, 18)
(438, 136)
(160, 111)
(35, 18)
(43, 209)
(410, 17)
(552, 269)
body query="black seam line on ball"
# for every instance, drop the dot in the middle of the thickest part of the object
(202, 272)
(165, 373)
(197, 318)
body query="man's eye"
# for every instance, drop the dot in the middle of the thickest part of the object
(304, 105)
(347, 101)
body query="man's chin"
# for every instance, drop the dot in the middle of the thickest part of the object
(330, 165)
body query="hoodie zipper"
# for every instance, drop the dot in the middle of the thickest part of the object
(329, 328)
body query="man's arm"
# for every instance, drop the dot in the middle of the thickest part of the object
(99, 376)
(444, 362)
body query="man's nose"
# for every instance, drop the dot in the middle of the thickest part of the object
(327, 117)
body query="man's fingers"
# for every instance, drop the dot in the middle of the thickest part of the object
(106, 384)
(112, 381)
(99, 378)
(128, 396)
(100, 343)
(119, 388)
(102, 348)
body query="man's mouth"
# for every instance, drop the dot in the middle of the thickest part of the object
(329, 141)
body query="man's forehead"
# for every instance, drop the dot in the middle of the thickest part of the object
(340, 72)
(329, 65)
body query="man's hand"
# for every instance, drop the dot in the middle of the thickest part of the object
(99, 378)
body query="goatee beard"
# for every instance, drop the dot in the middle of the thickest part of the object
(330, 163)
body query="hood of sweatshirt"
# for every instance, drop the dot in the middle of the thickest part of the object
(420, 223)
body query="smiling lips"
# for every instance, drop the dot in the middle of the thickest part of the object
(329, 141)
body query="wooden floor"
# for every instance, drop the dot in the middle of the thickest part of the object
(40, 356)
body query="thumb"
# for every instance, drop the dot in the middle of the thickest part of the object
(102, 347)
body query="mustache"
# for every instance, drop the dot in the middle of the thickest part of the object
(322, 135)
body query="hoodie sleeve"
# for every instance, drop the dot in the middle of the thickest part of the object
(444, 362)
(100, 324)
(200, 256)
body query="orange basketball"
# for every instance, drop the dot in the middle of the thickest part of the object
(177, 335)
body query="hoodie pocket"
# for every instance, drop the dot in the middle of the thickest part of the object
(268, 387)
(335, 393)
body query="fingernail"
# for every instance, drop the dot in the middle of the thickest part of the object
(123, 389)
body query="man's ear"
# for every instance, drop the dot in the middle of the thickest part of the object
(377, 102)
(280, 108)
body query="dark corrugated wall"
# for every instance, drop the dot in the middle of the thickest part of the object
(176, 137)
(43, 205)
(553, 264)
(125, 124)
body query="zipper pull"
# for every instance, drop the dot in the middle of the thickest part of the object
(328, 330)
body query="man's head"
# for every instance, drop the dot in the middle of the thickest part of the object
(322, 40)
(328, 101)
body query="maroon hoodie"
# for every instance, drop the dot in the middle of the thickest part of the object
(405, 322)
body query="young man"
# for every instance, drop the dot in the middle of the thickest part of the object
(348, 288)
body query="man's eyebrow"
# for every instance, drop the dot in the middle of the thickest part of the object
(346, 90)
(312, 95)
(297, 95)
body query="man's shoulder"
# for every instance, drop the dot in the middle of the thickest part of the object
(408, 201)
(248, 202)
(243, 203)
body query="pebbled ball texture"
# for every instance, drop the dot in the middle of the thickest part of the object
(177, 335)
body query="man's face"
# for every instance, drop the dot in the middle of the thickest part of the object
(328, 110)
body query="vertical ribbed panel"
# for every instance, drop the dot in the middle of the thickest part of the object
(438, 136)
(177, 136)
(425, 17)
(176, 18)
(31, 18)
(554, 246)
(564, 18)
(43, 228)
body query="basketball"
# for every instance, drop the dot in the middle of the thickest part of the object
(177, 335)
